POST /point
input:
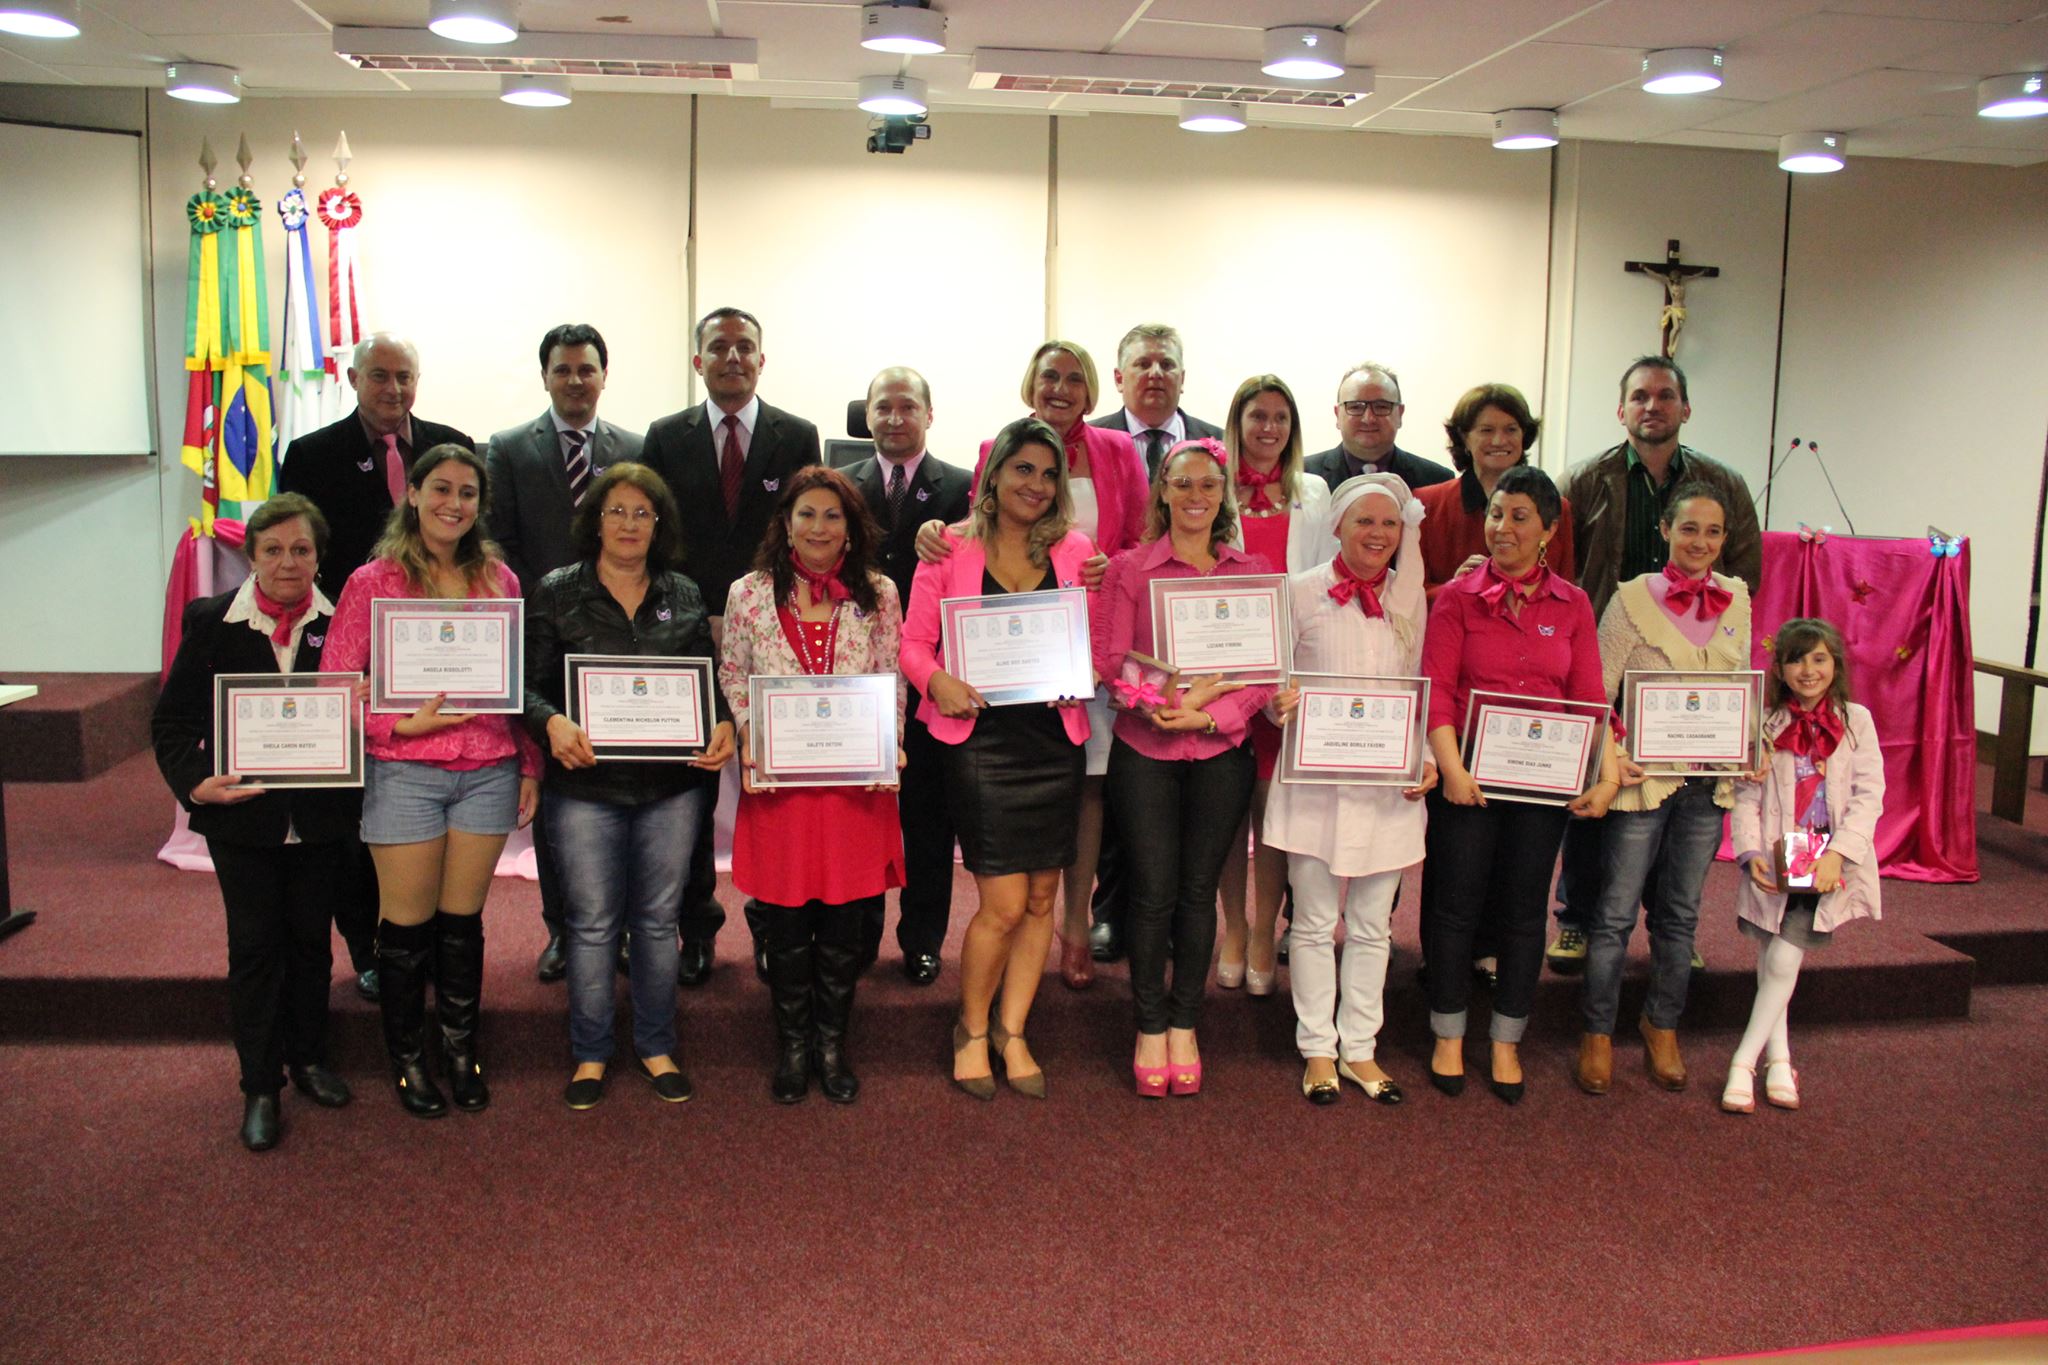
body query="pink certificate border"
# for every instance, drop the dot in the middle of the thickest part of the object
(1407, 735)
(348, 702)
(1479, 744)
(1641, 688)
(1260, 584)
(953, 611)
(838, 765)
(588, 672)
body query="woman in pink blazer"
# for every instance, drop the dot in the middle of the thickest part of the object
(1825, 774)
(1014, 773)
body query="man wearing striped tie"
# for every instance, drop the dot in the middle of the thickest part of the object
(539, 473)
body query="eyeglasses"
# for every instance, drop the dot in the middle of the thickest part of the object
(1378, 407)
(1181, 483)
(639, 516)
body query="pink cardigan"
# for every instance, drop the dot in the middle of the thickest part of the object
(959, 575)
(1121, 487)
(1855, 778)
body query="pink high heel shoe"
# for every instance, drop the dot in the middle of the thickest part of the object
(1187, 1078)
(1151, 1080)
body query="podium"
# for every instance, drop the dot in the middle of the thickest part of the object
(1904, 614)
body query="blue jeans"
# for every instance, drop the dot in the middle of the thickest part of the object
(622, 866)
(1669, 850)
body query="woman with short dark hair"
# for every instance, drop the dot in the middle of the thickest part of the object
(1490, 431)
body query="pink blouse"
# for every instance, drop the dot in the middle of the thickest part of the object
(476, 743)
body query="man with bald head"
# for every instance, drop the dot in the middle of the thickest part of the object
(1369, 412)
(354, 470)
(905, 486)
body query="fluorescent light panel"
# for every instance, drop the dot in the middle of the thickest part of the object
(39, 18)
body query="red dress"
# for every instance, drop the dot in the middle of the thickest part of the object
(1266, 536)
(828, 844)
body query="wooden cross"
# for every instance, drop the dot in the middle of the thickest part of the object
(1674, 275)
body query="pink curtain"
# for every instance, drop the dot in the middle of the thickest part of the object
(1905, 614)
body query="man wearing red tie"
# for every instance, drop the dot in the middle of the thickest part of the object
(725, 460)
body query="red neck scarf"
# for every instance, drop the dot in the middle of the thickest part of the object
(1349, 587)
(1499, 585)
(1256, 484)
(1814, 733)
(283, 615)
(1713, 599)
(825, 587)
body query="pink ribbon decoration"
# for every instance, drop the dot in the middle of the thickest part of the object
(1135, 696)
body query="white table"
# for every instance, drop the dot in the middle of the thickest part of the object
(11, 919)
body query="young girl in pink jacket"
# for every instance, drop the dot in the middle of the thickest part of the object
(1824, 775)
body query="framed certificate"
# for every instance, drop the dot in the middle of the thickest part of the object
(640, 707)
(1019, 646)
(1232, 625)
(1356, 731)
(1684, 723)
(834, 730)
(1543, 750)
(288, 729)
(470, 649)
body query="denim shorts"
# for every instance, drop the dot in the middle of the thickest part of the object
(409, 803)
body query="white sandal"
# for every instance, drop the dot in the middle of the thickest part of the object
(1738, 1096)
(1781, 1084)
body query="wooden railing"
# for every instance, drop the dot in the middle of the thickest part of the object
(2015, 733)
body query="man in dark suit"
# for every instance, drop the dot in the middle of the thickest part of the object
(1149, 377)
(354, 470)
(725, 461)
(1369, 411)
(904, 487)
(539, 473)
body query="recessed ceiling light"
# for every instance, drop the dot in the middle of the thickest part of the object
(203, 83)
(1522, 130)
(1682, 70)
(473, 21)
(534, 91)
(2023, 94)
(899, 95)
(40, 18)
(1212, 116)
(910, 29)
(1812, 153)
(1304, 54)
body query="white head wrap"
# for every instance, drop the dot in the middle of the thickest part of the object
(1403, 599)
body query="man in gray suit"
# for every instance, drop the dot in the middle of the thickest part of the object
(1149, 377)
(539, 473)
(1369, 411)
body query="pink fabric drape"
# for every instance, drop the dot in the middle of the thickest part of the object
(1905, 615)
(183, 589)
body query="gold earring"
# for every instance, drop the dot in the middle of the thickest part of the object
(1543, 552)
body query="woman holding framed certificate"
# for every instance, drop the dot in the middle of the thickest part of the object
(1358, 619)
(1661, 836)
(815, 858)
(1014, 772)
(1180, 772)
(1524, 635)
(442, 791)
(1283, 518)
(283, 854)
(619, 688)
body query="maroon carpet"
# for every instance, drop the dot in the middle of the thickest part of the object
(920, 1224)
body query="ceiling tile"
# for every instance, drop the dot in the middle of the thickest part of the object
(1534, 76)
(1237, 13)
(1632, 115)
(1440, 37)
(1823, 48)
(1988, 156)
(1873, 97)
(1151, 38)
(1641, 24)
(2020, 47)
(18, 70)
(1704, 137)
(171, 17)
(1411, 120)
(1979, 11)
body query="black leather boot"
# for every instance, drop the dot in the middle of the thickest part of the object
(458, 996)
(402, 952)
(836, 960)
(789, 987)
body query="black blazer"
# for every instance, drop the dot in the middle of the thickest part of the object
(1195, 427)
(1412, 470)
(940, 491)
(343, 473)
(182, 728)
(530, 505)
(716, 552)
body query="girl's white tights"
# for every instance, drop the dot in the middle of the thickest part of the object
(1777, 972)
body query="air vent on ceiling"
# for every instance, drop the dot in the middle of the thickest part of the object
(631, 55)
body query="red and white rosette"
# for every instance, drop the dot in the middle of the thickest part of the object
(342, 212)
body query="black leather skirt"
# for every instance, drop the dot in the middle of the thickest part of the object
(1014, 786)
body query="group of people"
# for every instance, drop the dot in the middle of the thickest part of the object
(719, 534)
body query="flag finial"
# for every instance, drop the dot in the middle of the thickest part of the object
(207, 161)
(342, 156)
(298, 160)
(245, 158)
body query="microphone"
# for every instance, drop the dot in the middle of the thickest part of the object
(1814, 446)
(1779, 467)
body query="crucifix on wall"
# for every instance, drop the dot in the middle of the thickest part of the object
(1674, 275)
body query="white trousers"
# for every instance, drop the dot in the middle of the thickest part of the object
(1330, 1022)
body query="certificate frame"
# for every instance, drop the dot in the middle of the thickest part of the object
(1509, 708)
(641, 675)
(392, 619)
(328, 698)
(1652, 690)
(1399, 698)
(867, 754)
(1181, 606)
(1021, 616)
